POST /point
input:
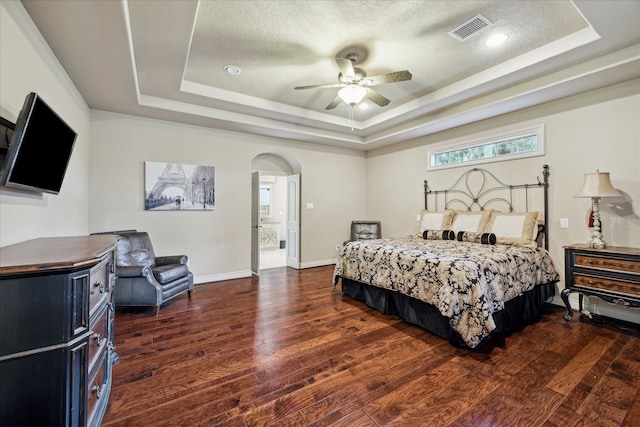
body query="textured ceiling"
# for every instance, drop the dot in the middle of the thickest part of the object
(282, 52)
(164, 59)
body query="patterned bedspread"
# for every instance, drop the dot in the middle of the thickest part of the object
(466, 282)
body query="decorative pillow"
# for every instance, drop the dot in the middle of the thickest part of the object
(470, 236)
(514, 228)
(438, 235)
(475, 221)
(435, 220)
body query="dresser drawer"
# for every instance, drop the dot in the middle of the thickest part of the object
(606, 284)
(99, 388)
(99, 285)
(627, 266)
(98, 338)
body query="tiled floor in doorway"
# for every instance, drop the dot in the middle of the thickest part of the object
(271, 258)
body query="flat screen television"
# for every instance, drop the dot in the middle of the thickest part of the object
(39, 150)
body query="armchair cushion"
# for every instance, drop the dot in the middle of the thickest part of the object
(135, 249)
(171, 259)
(130, 271)
(167, 273)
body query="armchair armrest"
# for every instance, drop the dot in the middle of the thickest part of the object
(171, 259)
(131, 271)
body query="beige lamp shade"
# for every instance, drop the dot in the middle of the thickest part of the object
(597, 185)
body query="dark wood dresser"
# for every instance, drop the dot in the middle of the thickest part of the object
(56, 330)
(612, 274)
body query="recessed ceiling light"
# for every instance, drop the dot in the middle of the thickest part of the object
(496, 39)
(232, 69)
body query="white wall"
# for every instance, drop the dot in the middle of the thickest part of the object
(597, 130)
(28, 65)
(217, 242)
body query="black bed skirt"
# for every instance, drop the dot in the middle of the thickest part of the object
(518, 312)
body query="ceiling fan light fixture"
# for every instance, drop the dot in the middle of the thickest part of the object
(352, 94)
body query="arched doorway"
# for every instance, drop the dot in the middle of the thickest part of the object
(275, 211)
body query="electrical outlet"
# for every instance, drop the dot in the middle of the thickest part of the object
(564, 222)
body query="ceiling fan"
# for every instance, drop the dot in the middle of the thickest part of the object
(356, 84)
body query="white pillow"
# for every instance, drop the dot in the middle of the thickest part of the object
(475, 222)
(514, 228)
(435, 220)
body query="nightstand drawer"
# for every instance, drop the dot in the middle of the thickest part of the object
(628, 266)
(610, 285)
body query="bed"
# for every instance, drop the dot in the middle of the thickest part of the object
(478, 266)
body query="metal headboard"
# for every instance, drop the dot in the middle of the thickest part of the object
(479, 189)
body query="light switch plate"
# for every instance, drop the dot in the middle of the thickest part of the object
(564, 222)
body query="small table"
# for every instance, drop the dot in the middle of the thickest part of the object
(612, 274)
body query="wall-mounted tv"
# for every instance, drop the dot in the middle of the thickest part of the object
(39, 150)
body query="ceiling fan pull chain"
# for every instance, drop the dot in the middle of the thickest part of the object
(351, 116)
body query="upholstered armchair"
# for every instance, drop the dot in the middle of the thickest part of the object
(365, 230)
(144, 279)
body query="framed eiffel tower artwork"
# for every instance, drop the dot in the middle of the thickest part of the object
(179, 187)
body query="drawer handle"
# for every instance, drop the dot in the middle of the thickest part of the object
(99, 339)
(620, 301)
(591, 282)
(100, 286)
(589, 261)
(98, 390)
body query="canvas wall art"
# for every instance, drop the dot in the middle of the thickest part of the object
(176, 186)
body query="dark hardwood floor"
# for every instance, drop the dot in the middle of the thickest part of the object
(288, 350)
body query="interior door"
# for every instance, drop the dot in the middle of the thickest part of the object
(255, 223)
(293, 221)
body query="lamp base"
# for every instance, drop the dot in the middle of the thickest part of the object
(597, 243)
(596, 240)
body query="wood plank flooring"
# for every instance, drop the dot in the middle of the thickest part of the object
(286, 349)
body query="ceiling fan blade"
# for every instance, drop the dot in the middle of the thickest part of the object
(375, 97)
(328, 85)
(398, 76)
(346, 68)
(333, 104)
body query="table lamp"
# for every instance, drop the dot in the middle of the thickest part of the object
(597, 185)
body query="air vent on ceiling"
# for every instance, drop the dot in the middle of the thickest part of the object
(471, 27)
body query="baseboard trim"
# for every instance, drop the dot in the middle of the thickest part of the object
(319, 263)
(219, 277)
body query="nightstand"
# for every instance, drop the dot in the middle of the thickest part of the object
(612, 274)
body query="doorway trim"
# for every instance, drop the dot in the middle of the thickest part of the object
(280, 164)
